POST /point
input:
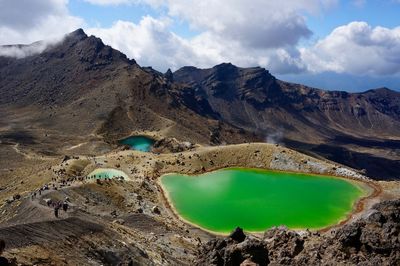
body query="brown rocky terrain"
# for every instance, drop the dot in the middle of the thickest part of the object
(80, 97)
(112, 222)
(81, 85)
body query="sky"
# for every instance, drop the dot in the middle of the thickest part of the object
(351, 45)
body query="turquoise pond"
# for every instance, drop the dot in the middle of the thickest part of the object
(139, 143)
(109, 173)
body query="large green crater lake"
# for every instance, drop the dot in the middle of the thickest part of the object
(256, 199)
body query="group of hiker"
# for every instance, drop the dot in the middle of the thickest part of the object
(56, 205)
(64, 205)
(39, 191)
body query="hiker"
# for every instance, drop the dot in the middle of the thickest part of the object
(56, 210)
(48, 202)
(65, 206)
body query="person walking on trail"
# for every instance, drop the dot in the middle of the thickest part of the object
(56, 208)
(49, 202)
(65, 206)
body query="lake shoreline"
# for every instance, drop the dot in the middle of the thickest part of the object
(369, 188)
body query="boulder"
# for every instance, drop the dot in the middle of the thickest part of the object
(171, 145)
(17, 196)
(10, 200)
(118, 221)
(231, 252)
(155, 210)
(237, 235)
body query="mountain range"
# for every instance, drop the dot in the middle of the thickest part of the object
(83, 91)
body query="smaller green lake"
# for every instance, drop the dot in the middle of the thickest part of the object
(140, 143)
(256, 200)
(109, 173)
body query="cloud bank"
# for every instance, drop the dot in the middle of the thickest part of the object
(21, 51)
(152, 43)
(28, 21)
(356, 48)
(264, 33)
(245, 33)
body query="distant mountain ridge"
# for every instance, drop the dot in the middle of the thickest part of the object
(82, 86)
(316, 121)
(264, 98)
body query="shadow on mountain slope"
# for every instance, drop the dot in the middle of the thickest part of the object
(376, 167)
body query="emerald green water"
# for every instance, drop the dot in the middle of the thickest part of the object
(258, 199)
(140, 143)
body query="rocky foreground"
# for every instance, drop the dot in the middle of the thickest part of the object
(128, 222)
(372, 240)
(120, 222)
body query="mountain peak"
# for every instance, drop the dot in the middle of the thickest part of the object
(78, 33)
(225, 66)
(90, 49)
(383, 90)
(76, 36)
(169, 75)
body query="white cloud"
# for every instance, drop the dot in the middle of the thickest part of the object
(151, 43)
(27, 21)
(242, 32)
(259, 32)
(154, 3)
(256, 23)
(24, 50)
(109, 2)
(356, 48)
